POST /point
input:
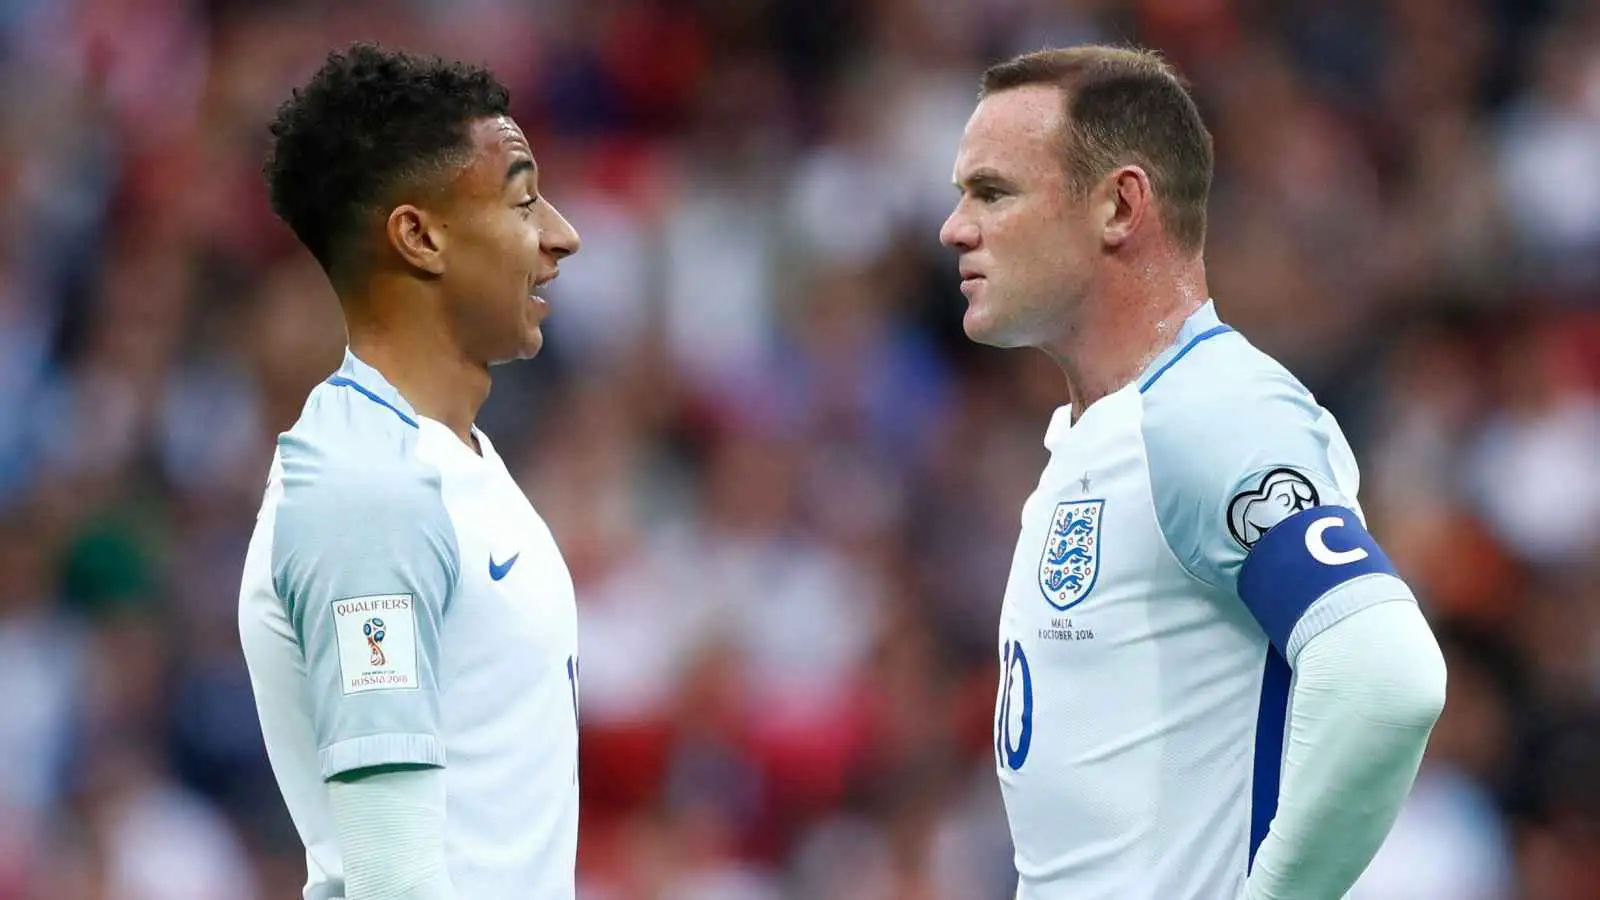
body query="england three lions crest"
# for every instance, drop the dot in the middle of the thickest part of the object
(1071, 558)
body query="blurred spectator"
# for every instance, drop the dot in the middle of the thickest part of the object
(786, 484)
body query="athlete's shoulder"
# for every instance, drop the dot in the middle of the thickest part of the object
(1219, 382)
(1234, 444)
(351, 463)
(356, 426)
(358, 499)
(341, 423)
(1216, 408)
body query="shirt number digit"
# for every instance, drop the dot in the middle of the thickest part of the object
(1011, 744)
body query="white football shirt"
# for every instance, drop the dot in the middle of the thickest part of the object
(403, 603)
(1188, 535)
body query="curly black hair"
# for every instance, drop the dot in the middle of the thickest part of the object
(370, 120)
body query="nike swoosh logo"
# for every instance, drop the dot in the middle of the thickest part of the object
(498, 571)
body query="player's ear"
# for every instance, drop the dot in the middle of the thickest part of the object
(1126, 198)
(418, 237)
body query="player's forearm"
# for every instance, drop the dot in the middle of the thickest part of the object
(1366, 695)
(391, 834)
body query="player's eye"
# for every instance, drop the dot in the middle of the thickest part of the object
(529, 203)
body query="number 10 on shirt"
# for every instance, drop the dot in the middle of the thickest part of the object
(1011, 742)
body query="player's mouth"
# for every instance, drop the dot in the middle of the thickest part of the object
(970, 277)
(539, 282)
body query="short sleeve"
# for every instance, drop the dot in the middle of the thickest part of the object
(365, 562)
(1254, 488)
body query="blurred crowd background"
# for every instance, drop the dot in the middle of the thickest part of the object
(787, 486)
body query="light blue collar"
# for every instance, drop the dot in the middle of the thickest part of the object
(355, 374)
(1203, 324)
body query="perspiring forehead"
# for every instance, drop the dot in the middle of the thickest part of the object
(500, 161)
(510, 135)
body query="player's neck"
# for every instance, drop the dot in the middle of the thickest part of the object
(421, 361)
(1118, 334)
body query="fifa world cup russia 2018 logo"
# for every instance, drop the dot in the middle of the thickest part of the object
(373, 629)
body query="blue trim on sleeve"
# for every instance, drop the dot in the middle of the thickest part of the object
(341, 381)
(1271, 720)
(1206, 335)
(1300, 559)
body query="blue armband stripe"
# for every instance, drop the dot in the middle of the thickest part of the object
(1302, 558)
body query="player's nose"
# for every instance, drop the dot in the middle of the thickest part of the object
(558, 237)
(958, 232)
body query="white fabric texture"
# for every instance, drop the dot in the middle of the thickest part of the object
(1366, 694)
(391, 831)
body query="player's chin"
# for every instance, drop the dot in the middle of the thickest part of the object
(983, 327)
(532, 341)
(992, 332)
(532, 332)
(527, 343)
